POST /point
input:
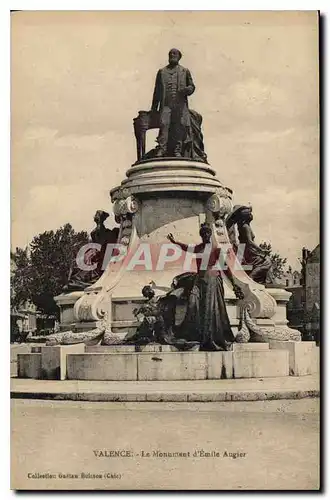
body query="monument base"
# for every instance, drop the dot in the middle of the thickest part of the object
(156, 362)
(123, 321)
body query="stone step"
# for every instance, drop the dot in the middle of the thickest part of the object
(183, 391)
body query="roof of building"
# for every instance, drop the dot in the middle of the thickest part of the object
(314, 256)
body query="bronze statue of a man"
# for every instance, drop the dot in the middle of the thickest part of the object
(173, 85)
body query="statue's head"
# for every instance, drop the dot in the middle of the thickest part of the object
(148, 292)
(240, 214)
(100, 216)
(205, 233)
(246, 214)
(174, 56)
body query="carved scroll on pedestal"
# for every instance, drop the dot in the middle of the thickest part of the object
(95, 304)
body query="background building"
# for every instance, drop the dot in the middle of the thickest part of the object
(311, 282)
(303, 309)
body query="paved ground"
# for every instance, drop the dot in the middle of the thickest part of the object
(183, 390)
(279, 441)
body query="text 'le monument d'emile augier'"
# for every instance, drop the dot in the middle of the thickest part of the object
(179, 289)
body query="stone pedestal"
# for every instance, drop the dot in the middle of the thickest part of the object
(158, 197)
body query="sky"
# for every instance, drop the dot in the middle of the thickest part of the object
(79, 78)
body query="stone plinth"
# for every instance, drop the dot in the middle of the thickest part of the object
(258, 364)
(99, 366)
(301, 356)
(173, 366)
(29, 365)
(244, 362)
(46, 362)
(54, 360)
(219, 365)
(158, 362)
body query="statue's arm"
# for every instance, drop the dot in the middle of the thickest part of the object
(171, 238)
(191, 248)
(182, 245)
(190, 87)
(186, 248)
(157, 93)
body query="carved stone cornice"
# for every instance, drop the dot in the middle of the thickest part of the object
(162, 175)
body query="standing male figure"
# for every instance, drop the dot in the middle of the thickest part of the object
(173, 85)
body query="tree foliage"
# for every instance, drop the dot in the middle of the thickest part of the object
(278, 262)
(40, 272)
